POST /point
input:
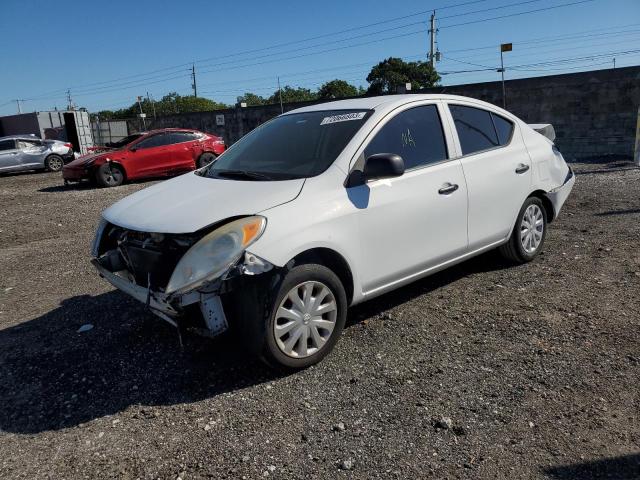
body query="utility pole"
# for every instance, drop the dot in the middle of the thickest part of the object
(70, 105)
(505, 47)
(142, 115)
(153, 105)
(280, 94)
(193, 76)
(614, 63)
(432, 32)
(19, 106)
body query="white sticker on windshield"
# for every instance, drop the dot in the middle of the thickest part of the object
(345, 117)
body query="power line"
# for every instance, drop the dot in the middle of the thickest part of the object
(542, 51)
(470, 22)
(142, 81)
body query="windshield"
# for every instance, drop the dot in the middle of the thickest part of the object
(298, 145)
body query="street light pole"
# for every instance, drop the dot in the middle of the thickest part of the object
(505, 47)
(280, 94)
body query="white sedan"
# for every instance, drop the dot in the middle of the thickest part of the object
(328, 206)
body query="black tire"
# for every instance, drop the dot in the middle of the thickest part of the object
(54, 163)
(109, 175)
(514, 250)
(205, 159)
(257, 328)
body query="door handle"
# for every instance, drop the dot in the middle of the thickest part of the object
(522, 168)
(448, 188)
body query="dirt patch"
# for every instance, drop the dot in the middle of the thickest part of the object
(481, 371)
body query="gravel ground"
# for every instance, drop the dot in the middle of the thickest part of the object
(482, 371)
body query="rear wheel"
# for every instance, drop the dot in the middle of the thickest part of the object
(528, 234)
(54, 163)
(303, 321)
(205, 159)
(108, 175)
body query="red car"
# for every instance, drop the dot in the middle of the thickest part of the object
(157, 153)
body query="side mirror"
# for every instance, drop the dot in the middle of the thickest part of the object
(383, 165)
(133, 149)
(380, 165)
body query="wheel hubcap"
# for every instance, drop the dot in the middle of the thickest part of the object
(305, 319)
(531, 228)
(55, 164)
(112, 177)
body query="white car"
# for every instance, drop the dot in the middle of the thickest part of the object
(327, 206)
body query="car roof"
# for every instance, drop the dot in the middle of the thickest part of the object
(26, 136)
(384, 102)
(164, 130)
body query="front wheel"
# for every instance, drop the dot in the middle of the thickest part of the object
(305, 319)
(108, 175)
(205, 159)
(528, 234)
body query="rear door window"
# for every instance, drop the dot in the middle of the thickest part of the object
(475, 129)
(415, 134)
(7, 145)
(155, 141)
(180, 137)
(25, 144)
(504, 128)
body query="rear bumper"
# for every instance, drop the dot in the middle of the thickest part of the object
(560, 194)
(69, 156)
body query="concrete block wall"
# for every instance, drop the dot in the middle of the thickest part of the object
(594, 113)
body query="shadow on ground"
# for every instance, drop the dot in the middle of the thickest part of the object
(628, 211)
(52, 377)
(617, 468)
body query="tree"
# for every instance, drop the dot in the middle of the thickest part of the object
(170, 103)
(388, 75)
(337, 89)
(251, 99)
(290, 94)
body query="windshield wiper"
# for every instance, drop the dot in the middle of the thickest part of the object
(242, 174)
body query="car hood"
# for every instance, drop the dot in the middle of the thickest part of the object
(89, 157)
(190, 202)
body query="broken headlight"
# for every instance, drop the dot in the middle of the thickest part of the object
(215, 253)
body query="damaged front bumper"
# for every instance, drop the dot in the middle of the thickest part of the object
(172, 307)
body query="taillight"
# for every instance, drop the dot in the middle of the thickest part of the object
(68, 145)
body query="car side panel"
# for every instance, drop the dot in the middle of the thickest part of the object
(10, 160)
(33, 156)
(322, 216)
(148, 162)
(496, 192)
(184, 156)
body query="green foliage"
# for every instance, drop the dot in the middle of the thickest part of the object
(290, 94)
(251, 99)
(170, 103)
(385, 77)
(388, 75)
(337, 89)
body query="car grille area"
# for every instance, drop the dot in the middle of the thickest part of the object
(149, 258)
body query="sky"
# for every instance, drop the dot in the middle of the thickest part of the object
(107, 53)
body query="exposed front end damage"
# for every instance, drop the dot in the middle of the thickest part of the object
(141, 264)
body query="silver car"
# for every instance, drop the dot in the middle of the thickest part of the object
(28, 152)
